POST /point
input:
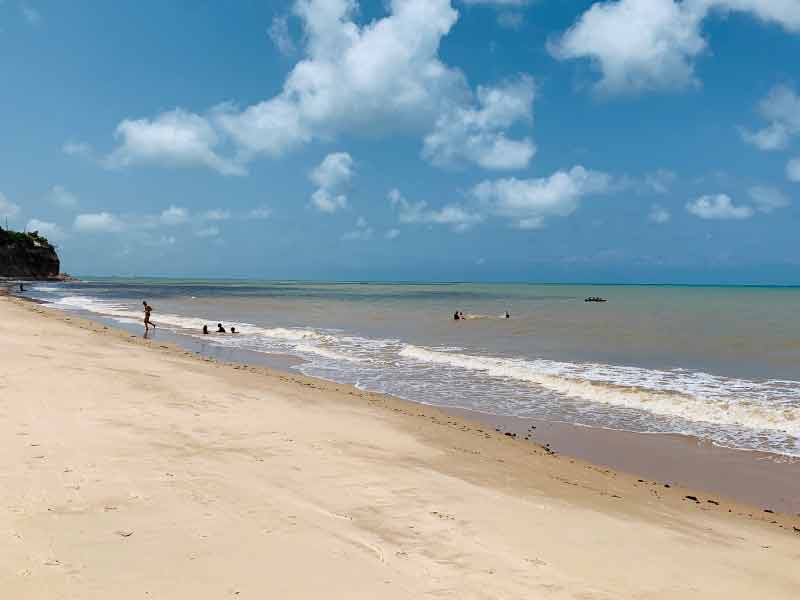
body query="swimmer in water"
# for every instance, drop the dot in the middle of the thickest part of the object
(233, 330)
(220, 328)
(205, 329)
(455, 316)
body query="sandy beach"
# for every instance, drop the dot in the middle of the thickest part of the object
(135, 469)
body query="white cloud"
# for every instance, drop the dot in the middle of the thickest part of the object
(382, 75)
(174, 215)
(767, 199)
(280, 36)
(260, 212)
(175, 138)
(7, 208)
(335, 170)
(102, 222)
(720, 207)
(377, 78)
(641, 45)
(333, 173)
(72, 148)
(636, 44)
(793, 169)
(362, 232)
(327, 202)
(62, 197)
(452, 215)
(659, 214)
(51, 231)
(392, 234)
(785, 13)
(781, 108)
(528, 202)
(477, 134)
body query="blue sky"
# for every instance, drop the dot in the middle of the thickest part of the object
(630, 140)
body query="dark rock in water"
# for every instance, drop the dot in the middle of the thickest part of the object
(27, 255)
(713, 502)
(770, 511)
(666, 485)
(692, 498)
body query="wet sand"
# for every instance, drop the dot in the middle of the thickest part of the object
(133, 468)
(762, 479)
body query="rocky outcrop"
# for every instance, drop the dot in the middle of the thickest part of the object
(27, 255)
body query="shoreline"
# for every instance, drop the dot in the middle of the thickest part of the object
(765, 480)
(209, 479)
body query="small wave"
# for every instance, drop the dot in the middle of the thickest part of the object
(595, 383)
(304, 341)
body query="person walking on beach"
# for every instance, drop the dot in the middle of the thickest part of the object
(147, 310)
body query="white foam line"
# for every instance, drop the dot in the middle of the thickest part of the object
(728, 410)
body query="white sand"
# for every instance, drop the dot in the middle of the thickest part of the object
(131, 471)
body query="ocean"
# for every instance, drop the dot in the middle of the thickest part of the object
(718, 363)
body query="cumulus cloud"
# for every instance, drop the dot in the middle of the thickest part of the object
(175, 138)
(336, 169)
(385, 73)
(528, 202)
(369, 79)
(659, 214)
(718, 207)
(102, 222)
(476, 134)
(51, 231)
(392, 234)
(7, 208)
(781, 109)
(456, 217)
(280, 36)
(767, 199)
(793, 169)
(640, 45)
(331, 176)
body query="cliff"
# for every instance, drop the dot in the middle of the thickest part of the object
(27, 255)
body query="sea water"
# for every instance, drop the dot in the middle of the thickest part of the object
(719, 363)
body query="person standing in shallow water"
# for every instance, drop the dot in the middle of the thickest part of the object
(147, 310)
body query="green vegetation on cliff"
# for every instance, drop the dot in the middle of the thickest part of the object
(28, 239)
(27, 255)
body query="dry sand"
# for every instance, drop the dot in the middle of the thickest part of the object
(132, 469)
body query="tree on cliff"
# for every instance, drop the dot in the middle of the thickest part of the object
(27, 254)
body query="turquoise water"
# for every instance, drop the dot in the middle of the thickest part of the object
(722, 363)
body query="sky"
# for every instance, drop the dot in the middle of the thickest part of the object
(653, 141)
